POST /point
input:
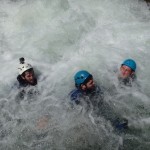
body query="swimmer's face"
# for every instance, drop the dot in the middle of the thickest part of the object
(29, 76)
(89, 85)
(125, 72)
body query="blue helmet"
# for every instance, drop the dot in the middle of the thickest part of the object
(81, 77)
(130, 63)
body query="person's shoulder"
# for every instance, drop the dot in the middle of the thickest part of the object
(75, 95)
(75, 92)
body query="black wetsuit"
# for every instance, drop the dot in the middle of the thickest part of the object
(77, 94)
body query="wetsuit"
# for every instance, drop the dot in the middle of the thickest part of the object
(77, 94)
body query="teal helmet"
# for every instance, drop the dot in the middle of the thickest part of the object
(81, 77)
(130, 63)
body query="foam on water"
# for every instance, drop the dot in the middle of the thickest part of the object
(60, 37)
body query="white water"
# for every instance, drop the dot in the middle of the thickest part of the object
(60, 37)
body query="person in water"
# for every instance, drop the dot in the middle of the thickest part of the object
(27, 80)
(127, 72)
(26, 75)
(86, 87)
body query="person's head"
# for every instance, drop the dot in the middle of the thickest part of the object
(127, 68)
(84, 80)
(26, 71)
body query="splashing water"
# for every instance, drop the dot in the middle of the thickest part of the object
(60, 37)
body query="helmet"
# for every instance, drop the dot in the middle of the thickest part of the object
(81, 76)
(130, 63)
(23, 66)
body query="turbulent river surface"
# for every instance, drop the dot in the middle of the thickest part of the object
(60, 37)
